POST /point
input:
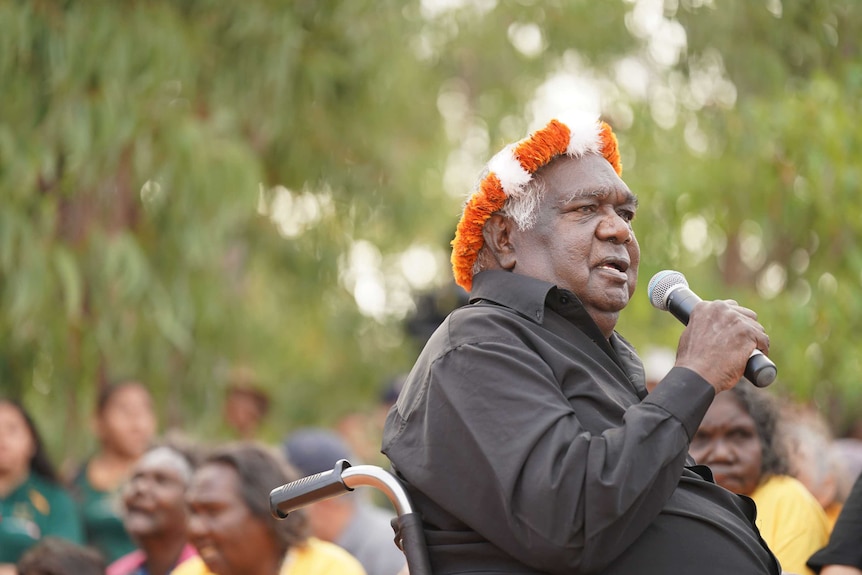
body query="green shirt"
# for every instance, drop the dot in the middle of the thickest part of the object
(37, 508)
(101, 515)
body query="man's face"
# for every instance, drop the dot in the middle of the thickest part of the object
(727, 441)
(243, 413)
(154, 495)
(229, 539)
(583, 240)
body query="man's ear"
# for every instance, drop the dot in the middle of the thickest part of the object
(497, 232)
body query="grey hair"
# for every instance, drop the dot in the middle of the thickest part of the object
(172, 457)
(522, 209)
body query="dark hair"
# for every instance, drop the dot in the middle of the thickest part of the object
(256, 394)
(243, 380)
(55, 556)
(107, 393)
(764, 410)
(261, 469)
(39, 462)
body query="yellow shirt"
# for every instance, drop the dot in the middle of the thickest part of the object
(832, 513)
(316, 557)
(791, 522)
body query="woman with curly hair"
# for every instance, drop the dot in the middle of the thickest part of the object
(739, 441)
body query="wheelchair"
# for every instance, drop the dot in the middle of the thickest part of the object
(343, 478)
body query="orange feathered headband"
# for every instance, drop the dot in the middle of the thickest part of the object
(511, 169)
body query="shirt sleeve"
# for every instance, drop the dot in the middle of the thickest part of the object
(521, 468)
(843, 547)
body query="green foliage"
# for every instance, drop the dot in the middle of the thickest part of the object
(145, 146)
(776, 184)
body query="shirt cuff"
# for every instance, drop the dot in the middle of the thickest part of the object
(685, 395)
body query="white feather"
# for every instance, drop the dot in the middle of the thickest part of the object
(513, 177)
(585, 130)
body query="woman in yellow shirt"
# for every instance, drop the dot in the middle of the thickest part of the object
(738, 440)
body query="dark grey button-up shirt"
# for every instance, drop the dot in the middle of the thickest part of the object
(530, 445)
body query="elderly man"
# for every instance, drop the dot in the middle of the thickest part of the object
(155, 512)
(524, 432)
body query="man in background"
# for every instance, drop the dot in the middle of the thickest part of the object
(246, 403)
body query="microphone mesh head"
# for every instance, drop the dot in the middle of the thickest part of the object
(661, 284)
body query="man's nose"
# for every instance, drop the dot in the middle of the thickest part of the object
(615, 228)
(136, 484)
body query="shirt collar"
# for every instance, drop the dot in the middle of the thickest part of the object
(524, 294)
(529, 297)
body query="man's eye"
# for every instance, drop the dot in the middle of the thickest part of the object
(627, 215)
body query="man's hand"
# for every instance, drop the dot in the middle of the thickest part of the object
(718, 340)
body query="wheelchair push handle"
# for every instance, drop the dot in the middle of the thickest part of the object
(407, 525)
(337, 481)
(299, 493)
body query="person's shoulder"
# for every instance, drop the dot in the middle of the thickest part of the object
(789, 494)
(192, 566)
(785, 485)
(126, 564)
(478, 322)
(483, 320)
(331, 551)
(323, 558)
(45, 492)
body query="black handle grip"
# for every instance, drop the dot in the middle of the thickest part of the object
(410, 538)
(299, 493)
(760, 370)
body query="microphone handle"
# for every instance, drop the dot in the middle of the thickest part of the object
(680, 302)
(759, 369)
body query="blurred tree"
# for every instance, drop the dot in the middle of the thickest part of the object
(179, 181)
(764, 149)
(191, 185)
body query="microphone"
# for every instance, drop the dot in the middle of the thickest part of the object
(668, 291)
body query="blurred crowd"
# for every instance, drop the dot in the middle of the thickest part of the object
(146, 502)
(151, 503)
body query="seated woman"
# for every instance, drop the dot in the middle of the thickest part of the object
(33, 504)
(231, 525)
(737, 439)
(155, 513)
